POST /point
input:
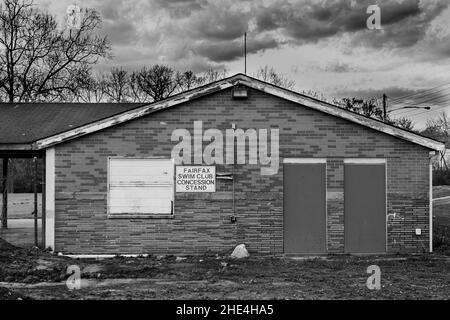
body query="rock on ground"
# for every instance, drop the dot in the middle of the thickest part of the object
(240, 252)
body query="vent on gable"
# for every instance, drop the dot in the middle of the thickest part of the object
(240, 92)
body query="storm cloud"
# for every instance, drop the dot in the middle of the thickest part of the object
(213, 30)
(323, 45)
(404, 22)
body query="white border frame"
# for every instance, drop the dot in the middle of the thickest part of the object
(310, 161)
(139, 215)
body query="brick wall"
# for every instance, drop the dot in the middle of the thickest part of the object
(202, 221)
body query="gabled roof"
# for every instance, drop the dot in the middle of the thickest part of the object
(134, 112)
(26, 123)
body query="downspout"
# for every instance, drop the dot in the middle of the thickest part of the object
(432, 154)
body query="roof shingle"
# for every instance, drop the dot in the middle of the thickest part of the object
(23, 123)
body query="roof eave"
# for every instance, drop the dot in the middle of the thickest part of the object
(134, 114)
(16, 146)
(350, 116)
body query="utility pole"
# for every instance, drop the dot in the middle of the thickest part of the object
(384, 107)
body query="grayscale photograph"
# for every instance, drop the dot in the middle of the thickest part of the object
(226, 158)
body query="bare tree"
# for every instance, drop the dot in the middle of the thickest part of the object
(117, 85)
(136, 94)
(315, 94)
(366, 107)
(188, 80)
(157, 82)
(270, 75)
(438, 128)
(371, 108)
(212, 75)
(88, 88)
(403, 123)
(38, 60)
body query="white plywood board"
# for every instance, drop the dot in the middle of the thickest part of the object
(140, 186)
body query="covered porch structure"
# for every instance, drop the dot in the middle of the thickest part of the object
(25, 227)
(21, 126)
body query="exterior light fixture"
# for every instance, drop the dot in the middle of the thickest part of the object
(239, 92)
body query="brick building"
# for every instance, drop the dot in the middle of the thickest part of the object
(345, 183)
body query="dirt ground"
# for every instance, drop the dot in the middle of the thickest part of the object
(36, 274)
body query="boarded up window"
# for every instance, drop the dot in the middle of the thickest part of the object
(140, 186)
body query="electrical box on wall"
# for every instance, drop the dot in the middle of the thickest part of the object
(418, 232)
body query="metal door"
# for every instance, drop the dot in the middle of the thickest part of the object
(365, 207)
(305, 208)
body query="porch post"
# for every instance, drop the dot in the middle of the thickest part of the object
(50, 198)
(5, 194)
(43, 196)
(35, 184)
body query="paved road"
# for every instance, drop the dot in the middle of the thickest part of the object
(21, 205)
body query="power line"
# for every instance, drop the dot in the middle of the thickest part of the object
(407, 109)
(405, 114)
(439, 100)
(423, 112)
(441, 96)
(417, 96)
(418, 93)
(417, 114)
(436, 101)
(411, 112)
(429, 97)
(422, 100)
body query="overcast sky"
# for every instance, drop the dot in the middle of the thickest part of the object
(324, 45)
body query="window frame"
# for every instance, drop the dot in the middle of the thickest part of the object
(138, 215)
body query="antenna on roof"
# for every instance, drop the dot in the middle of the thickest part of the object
(245, 53)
